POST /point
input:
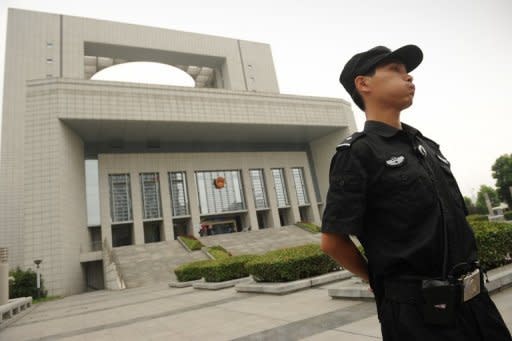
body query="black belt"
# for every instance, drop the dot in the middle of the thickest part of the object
(405, 289)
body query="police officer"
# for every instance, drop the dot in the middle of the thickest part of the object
(393, 188)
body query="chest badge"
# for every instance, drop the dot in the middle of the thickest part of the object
(396, 161)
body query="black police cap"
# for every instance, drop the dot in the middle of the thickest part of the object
(361, 63)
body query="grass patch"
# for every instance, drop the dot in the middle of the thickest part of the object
(313, 228)
(191, 242)
(46, 299)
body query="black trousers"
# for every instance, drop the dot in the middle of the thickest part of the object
(477, 320)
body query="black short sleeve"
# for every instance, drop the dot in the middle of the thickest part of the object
(346, 197)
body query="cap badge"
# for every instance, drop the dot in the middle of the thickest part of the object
(395, 161)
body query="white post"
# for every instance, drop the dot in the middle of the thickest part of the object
(4, 276)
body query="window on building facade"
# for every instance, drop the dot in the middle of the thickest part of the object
(280, 187)
(120, 197)
(224, 199)
(258, 188)
(179, 196)
(150, 187)
(300, 185)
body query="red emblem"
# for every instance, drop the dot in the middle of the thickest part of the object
(219, 182)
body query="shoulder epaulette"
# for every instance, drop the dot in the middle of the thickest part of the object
(434, 142)
(347, 142)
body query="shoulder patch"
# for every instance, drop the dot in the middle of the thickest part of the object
(347, 142)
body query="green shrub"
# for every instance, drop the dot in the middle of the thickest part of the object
(191, 242)
(191, 271)
(508, 215)
(291, 264)
(477, 217)
(24, 284)
(494, 242)
(218, 252)
(308, 226)
(226, 269)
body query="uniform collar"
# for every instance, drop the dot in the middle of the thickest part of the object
(385, 130)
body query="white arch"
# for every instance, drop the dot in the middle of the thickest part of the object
(145, 72)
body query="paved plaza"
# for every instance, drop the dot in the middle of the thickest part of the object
(158, 312)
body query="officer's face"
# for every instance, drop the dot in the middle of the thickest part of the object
(391, 86)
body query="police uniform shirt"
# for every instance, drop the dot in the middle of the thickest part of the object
(394, 190)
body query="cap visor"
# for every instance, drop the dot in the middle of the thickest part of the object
(410, 55)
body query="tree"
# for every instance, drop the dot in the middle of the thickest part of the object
(470, 205)
(481, 206)
(502, 172)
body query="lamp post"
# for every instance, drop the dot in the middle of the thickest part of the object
(38, 276)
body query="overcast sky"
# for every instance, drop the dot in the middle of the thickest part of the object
(463, 86)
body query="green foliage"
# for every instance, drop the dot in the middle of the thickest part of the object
(494, 242)
(361, 250)
(218, 252)
(226, 269)
(502, 172)
(313, 228)
(508, 215)
(477, 217)
(191, 271)
(191, 242)
(480, 200)
(46, 299)
(25, 284)
(291, 264)
(470, 206)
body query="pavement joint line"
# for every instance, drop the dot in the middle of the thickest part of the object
(102, 309)
(89, 302)
(145, 318)
(314, 325)
(354, 333)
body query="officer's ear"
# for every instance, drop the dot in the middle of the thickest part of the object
(362, 84)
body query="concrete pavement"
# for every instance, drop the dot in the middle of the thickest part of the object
(161, 313)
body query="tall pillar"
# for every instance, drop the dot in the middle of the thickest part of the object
(292, 195)
(272, 199)
(4, 276)
(312, 196)
(249, 200)
(193, 201)
(138, 226)
(165, 199)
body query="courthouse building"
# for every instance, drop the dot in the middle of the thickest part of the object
(88, 164)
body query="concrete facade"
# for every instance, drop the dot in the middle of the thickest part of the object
(55, 117)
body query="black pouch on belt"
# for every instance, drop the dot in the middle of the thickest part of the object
(441, 298)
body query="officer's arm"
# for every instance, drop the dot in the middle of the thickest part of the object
(341, 248)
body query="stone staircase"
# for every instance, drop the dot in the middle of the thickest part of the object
(261, 241)
(146, 264)
(141, 265)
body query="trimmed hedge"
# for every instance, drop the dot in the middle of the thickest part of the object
(226, 269)
(214, 270)
(291, 264)
(218, 252)
(477, 217)
(508, 215)
(191, 271)
(191, 242)
(494, 242)
(313, 228)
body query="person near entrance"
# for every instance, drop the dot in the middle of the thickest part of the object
(392, 188)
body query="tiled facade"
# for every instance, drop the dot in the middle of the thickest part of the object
(54, 119)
